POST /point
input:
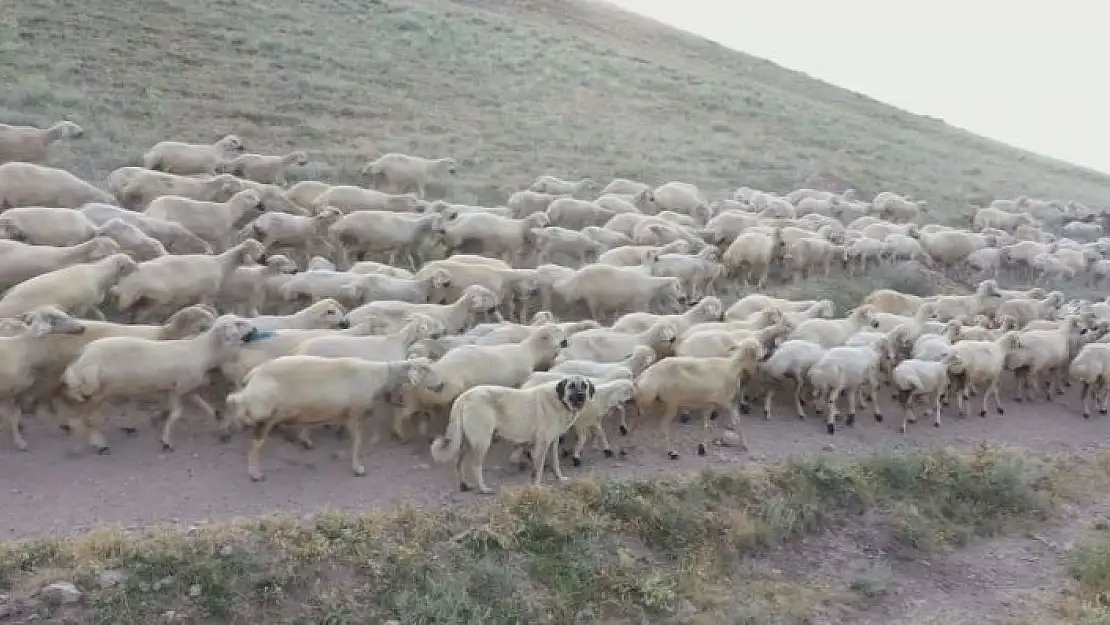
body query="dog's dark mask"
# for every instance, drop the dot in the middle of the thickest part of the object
(574, 392)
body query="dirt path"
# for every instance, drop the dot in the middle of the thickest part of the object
(51, 491)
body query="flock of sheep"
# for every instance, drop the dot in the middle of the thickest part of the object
(523, 322)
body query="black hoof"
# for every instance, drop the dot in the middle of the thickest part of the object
(1102, 411)
(167, 447)
(701, 449)
(608, 453)
(104, 451)
(745, 409)
(225, 438)
(713, 415)
(624, 430)
(496, 438)
(260, 478)
(129, 431)
(576, 462)
(684, 418)
(1018, 399)
(830, 428)
(983, 413)
(850, 420)
(673, 455)
(464, 487)
(1001, 410)
(878, 418)
(936, 425)
(65, 427)
(561, 439)
(22, 428)
(308, 445)
(1086, 415)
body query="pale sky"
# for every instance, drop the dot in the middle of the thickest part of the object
(1031, 73)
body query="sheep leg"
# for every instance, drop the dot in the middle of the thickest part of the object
(668, 415)
(1102, 395)
(92, 421)
(258, 439)
(853, 408)
(204, 406)
(1085, 397)
(993, 390)
(986, 397)
(602, 439)
(14, 414)
(830, 419)
(354, 427)
(767, 403)
(906, 399)
(176, 408)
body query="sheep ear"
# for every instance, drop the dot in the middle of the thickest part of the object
(591, 390)
(561, 390)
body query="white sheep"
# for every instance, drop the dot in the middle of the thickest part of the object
(708, 309)
(173, 236)
(78, 289)
(128, 366)
(20, 262)
(791, 361)
(558, 186)
(350, 199)
(22, 352)
(498, 236)
(323, 315)
(29, 144)
(978, 366)
(39, 225)
(834, 332)
(754, 252)
(171, 281)
(577, 214)
(848, 369)
(924, 379)
(401, 173)
(27, 184)
(1091, 366)
(554, 242)
(263, 168)
(372, 232)
(711, 384)
(186, 159)
(684, 198)
(606, 345)
(305, 192)
(302, 236)
(455, 317)
(131, 240)
(212, 221)
(137, 187)
(608, 291)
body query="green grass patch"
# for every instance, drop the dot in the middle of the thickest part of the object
(610, 549)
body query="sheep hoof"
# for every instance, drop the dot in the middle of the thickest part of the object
(103, 451)
(1001, 410)
(496, 438)
(309, 445)
(129, 431)
(878, 418)
(464, 487)
(830, 428)
(225, 437)
(166, 446)
(684, 418)
(1102, 411)
(359, 471)
(714, 414)
(850, 420)
(902, 429)
(21, 428)
(1086, 415)
(257, 477)
(701, 449)
(983, 413)
(624, 430)
(623, 453)
(1018, 399)
(936, 424)
(561, 438)
(576, 461)
(608, 453)
(744, 409)
(64, 426)
(673, 455)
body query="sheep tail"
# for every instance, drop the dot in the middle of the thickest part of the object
(79, 387)
(446, 447)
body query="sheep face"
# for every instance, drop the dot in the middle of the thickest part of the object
(332, 315)
(230, 143)
(300, 159)
(230, 331)
(279, 263)
(50, 320)
(188, 321)
(480, 299)
(421, 374)
(710, 309)
(70, 130)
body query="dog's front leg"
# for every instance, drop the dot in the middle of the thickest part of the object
(555, 461)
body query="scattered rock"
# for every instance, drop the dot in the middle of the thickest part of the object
(110, 578)
(60, 593)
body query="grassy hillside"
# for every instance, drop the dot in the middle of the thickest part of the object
(512, 89)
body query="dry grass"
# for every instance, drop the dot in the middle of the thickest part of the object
(610, 549)
(512, 89)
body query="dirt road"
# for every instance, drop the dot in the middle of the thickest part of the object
(50, 490)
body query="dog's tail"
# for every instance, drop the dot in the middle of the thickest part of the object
(446, 447)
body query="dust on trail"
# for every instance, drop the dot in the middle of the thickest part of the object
(50, 490)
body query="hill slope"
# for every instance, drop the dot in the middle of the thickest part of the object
(512, 89)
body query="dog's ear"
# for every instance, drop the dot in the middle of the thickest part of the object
(590, 388)
(561, 390)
